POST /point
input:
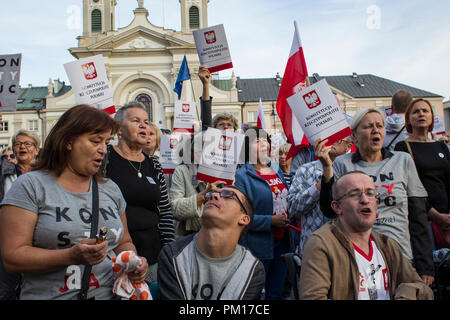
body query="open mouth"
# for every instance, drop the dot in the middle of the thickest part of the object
(376, 139)
(98, 162)
(366, 211)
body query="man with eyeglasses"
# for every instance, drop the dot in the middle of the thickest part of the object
(210, 264)
(304, 193)
(347, 260)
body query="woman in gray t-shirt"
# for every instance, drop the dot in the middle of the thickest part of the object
(46, 216)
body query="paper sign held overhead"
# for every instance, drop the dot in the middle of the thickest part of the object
(220, 156)
(90, 82)
(185, 116)
(319, 114)
(212, 48)
(9, 81)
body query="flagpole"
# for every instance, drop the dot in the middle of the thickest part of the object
(193, 97)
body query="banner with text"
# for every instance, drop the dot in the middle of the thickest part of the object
(220, 156)
(184, 116)
(319, 114)
(90, 82)
(212, 48)
(9, 81)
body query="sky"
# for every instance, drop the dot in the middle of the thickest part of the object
(404, 40)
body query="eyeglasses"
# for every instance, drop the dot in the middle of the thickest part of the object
(27, 144)
(225, 125)
(356, 194)
(227, 194)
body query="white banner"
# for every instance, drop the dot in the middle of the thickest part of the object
(9, 81)
(169, 152)
(90, 82)
(212, 48)
(319, 114)
(438, 127)
(220, 156)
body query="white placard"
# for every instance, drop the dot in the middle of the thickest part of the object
(9, 81)
(184, 116)
(90, 82)
(212, 48)
(220, 156)
(169, 152)
(319, 114)
(438, 127)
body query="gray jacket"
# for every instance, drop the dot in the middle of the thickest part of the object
(174, 263)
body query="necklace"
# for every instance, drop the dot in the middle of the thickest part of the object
(139, 174)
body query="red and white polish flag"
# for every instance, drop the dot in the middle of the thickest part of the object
(261, 122)
(294, 80)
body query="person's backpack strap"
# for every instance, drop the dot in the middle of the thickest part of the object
(396, 136)
(94, 226)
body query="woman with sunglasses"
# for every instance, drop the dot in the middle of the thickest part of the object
(26, 148)
(8, 154)
(269, 236)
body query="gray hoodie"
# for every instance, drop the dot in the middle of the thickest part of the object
(394, 124)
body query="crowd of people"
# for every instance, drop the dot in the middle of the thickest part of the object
(364, 224)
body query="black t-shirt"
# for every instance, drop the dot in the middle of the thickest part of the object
(142, 196)
(432, 160)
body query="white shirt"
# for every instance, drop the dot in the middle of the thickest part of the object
(373, 277)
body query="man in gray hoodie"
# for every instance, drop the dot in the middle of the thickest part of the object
(395, 124)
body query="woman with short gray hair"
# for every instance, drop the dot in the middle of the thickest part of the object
(141, 180)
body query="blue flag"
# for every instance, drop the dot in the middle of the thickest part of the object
(183, 74)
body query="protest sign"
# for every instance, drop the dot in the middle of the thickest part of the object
(184, 116)
(90, 82)
(220, 156)
(212, 48)
(438, 127)
(9, 81)
(387, 110)
(319, 114)
(169, 152)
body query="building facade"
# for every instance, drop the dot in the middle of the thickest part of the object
(142, 62)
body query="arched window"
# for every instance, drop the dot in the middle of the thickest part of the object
(147, 102)
(194, 19)
(96, 20)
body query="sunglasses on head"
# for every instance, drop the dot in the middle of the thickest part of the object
(6, 156)
(227, 194)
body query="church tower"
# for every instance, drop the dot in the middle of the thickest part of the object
(98, 17)
(194, 15)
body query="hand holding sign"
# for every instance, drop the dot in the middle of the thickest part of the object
(319, 114)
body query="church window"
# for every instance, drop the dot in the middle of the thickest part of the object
(96, 17)
(147, 102)
(194, 19)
